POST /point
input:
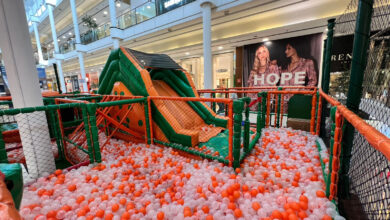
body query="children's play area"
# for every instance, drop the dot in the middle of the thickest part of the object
(148, 144)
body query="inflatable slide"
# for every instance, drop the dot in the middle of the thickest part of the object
(133, 73)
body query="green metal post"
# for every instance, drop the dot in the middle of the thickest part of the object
(147, 124)
(278, 109)
(259, 114)
(91, 109)
(3, 152)
(264, 110)
(359, 61)
(333, 127)
(213, 103)
(247, 100)
(87, 133)
(238, 107)
(53, 114)
(327, 56)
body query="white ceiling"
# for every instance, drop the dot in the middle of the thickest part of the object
(244, 24)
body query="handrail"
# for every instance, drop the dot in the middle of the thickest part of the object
(256, 88)
(378, 140)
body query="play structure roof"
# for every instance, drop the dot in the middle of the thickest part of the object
(159, 61)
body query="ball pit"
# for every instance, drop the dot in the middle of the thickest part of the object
(16, 154)
(280, 179)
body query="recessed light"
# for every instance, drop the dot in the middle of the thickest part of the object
(105, 12)
(148, 7)
(63, 37)
(58, 40)
(70, 33)
(187, 53)
(220, 48)
(118, 4)
(94, 19)
(265, 39)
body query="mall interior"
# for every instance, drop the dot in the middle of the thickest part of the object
(194, 109)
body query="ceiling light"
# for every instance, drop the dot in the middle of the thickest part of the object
(148, 7)
(220, 48)
(63, 37)
(91, 69)
(118, 4)
(187, 53)
(70, 33)
(58, 40)
(105, 12)
(265, 39)
(94, 19)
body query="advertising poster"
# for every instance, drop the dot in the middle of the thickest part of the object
(286, 62)
(340, 66)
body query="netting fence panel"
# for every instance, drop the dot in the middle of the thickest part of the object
(25, 138)
(368, 169)
(369, 180)
(375, 102)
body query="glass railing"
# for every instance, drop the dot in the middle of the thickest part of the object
(88, 37)
(137, 15)
(68, 46)
(48, 55)
(96, 34)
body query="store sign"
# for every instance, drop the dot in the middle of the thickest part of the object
(273, 78)
(41, 73)
(169, 3)
(222, 70)
(341, 54)
(164, 6)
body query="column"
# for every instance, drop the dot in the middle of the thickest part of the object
(78, 41)
(208, 63)
(111, 4)
(35, 26)
(50, 7)
(24, 86)
(327, 56)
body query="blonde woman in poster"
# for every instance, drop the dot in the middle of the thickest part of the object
(263, 73)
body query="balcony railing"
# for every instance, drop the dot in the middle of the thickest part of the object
(88, 37)
(137, 15)
(96, 34)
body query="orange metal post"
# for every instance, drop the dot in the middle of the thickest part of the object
(313, 112)
(276, 109)
(319, 115)
(150, 120)
(336, 155)
(281, 110)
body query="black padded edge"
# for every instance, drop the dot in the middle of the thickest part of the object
(160, 61)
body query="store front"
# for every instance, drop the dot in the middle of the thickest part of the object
(223, 70)
(92, 81)
(194, 66)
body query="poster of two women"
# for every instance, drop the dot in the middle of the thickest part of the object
(285, 62)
